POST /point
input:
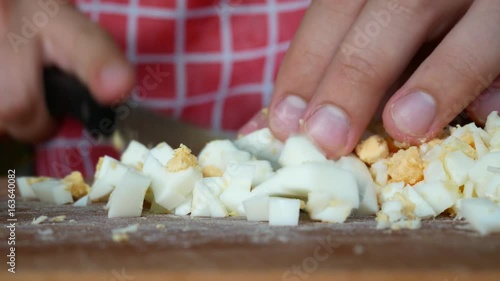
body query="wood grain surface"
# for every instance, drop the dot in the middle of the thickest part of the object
(167, 247)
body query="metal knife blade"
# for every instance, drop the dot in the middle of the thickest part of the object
(65, 94)
(151, 128)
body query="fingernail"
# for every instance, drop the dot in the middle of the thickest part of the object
(328, 127)
(286, 115)
(259, 121)
(413, 114)
(486, 103)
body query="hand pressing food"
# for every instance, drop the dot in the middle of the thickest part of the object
(304, 179)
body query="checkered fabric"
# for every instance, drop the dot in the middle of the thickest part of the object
(222, 57)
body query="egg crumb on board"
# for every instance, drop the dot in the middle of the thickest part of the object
(58, 218)
(400, 184)
(39, 220)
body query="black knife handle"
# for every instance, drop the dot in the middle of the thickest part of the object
(65, 94)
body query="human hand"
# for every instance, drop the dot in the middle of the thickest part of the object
(38, 33)
(347, 54)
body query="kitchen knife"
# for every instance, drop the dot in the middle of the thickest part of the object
(65, 94)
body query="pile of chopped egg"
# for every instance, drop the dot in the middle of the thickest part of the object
(264, 179)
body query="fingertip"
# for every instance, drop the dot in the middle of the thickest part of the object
(328, 127)
(259, 121)
(285, 116)
(484, 104)
(113, 82)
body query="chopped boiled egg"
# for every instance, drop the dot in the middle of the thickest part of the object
(257, 208)
(366, 187)
(135, 154)
(52, 191)
(284, 211)
(262, 144)
(299, 180)
(482, 214)
(172, 184)
(457, 165)
(206, 190)
(336, 211)
(492, 123)
(76, 185)
(263, 171)
(479, 173)
(163, 153)
(82, 202)
(24, 188)
(217, 154)
(109, 171)
(298, 150)
(372, 149)
(379, 172)
(435, 172)
(440, 195)
(421, 208)
(128, 195)
(185, 207)
(405, 165)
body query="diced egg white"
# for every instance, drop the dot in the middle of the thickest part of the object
(482, 214)
(422, 208)
(135, 154)
(435, 172)
(262, 144)
(108, 174)
(493, 188)
(379, 172)
(393, 209)
(440, 195)
(389, 191)
(185, 207)
(367, 196)
(257, 208)
(52, 191)
(24, 188)
(170, 188)
(479, 173)
(299, 180)
(492, 123)
(469, 189)
(217, 209)
(163, 153)
(284, 211)
(457, 165)
(128, 195)
(239, 175)
(263, 171)
(82, 202)
(300, 149)
(336, 212)
(219, 153)
(206, 190)
(101, 189)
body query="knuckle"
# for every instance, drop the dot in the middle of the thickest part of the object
(463, 65)
(416, 6)
(357, 69)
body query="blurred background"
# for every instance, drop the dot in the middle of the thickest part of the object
(15, 155)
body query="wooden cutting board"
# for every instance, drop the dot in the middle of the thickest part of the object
(168, 247)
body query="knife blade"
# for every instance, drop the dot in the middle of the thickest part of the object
(65, 94)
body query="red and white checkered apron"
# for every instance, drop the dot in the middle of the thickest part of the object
(222, 55)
